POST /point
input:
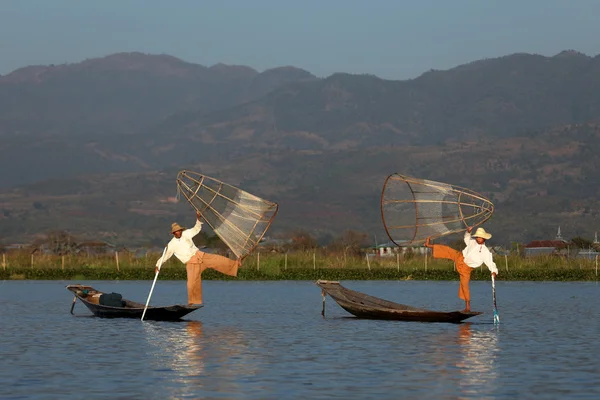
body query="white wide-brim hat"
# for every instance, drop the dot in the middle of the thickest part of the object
(480, 232)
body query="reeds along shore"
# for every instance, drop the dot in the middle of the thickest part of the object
(293, 266)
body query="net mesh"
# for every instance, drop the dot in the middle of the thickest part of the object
(413, 209)
(238, 218)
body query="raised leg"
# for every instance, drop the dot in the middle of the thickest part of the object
(222, 264)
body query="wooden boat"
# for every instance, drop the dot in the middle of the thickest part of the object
(129, 309)
(364, 306)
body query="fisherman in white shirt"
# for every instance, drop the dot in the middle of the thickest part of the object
(472, 256)
(183, 247)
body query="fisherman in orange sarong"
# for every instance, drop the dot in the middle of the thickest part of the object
(472, 256)
(196, 261)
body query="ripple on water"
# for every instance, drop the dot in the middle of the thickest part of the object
(268, 340)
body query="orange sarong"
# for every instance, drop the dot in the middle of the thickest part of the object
(198, 263)
(441, 251)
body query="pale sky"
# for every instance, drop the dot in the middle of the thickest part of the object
(392, 39)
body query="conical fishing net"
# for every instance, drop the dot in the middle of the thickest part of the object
(238, 218)
(413, 209)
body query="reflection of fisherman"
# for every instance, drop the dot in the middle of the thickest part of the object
(473, 256)
(195, 260)
(476, 361)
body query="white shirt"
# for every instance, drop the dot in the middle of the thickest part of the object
(476, 254)
(184, 247)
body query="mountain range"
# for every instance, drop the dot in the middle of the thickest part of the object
(94, 147)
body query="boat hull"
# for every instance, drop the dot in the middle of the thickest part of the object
(369, 307)
(130, 309)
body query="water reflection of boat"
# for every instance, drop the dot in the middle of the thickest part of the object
(91, 298)
(364, 306)
(201, 359)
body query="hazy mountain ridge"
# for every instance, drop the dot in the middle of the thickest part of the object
(522, 129)
(108, 101)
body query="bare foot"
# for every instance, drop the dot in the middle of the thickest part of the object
(467, 307)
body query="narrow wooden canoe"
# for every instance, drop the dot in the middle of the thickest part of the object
(90, 297)
(364, 306)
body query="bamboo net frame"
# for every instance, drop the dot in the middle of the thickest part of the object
(239, 218)
(413, 209)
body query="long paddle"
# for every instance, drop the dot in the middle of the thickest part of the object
(496, 317)
(153, 283)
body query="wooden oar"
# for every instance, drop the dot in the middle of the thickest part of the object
(496, 317)
(153, 283)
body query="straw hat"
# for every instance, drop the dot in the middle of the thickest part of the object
(175, 227)
(480, 232)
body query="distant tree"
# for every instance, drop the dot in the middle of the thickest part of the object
(215, 242)
(325, 239)
(457, 243)
(60, 242)
(351, 242)
(201, 239)
(302, 240)
(581, 242)
(517, 248)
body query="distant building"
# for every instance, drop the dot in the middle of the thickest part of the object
(592, 252)
(15, 248)
(384, 250)
(274, 245)
(556, 247)
(390, 249)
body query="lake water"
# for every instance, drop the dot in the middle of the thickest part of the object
(268, 340)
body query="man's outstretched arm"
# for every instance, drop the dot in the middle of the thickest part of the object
(196, 229)
(467, 237)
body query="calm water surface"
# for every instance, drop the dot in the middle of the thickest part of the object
(268, 340)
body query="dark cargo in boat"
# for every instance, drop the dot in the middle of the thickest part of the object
(112, 300)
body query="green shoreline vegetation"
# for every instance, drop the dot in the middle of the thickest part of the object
(292, 266)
